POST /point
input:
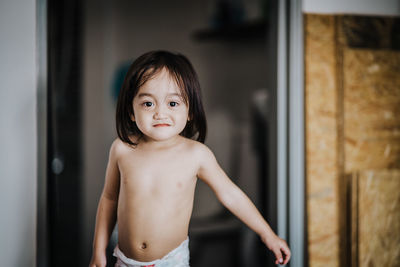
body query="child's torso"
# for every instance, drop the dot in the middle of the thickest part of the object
(155, 200)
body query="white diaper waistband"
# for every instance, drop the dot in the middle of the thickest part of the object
(176, 257)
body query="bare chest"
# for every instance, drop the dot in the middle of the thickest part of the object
(157, 175)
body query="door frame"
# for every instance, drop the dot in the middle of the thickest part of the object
(291, 129)
(42, 254)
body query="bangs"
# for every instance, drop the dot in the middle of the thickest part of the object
(148, 74)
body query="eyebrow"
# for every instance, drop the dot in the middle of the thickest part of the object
(150, 95)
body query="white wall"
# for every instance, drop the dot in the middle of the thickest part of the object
(364, 7)
(17, 133)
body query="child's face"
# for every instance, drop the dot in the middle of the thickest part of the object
(160, 110)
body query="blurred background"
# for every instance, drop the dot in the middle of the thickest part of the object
(91, 46)
(302, 101)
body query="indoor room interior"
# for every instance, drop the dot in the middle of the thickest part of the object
(302, 100)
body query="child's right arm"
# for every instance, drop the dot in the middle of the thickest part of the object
(106, 211)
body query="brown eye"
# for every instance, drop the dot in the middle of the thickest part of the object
(173, 104)
(148, 104)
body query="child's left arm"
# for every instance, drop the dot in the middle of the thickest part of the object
(234, 199)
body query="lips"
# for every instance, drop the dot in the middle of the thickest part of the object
(161, 125)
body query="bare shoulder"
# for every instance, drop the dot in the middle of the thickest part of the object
(208, 168)
(118, 148)
(117, 144)
(202, 153)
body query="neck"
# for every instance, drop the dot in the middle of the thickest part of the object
(146, 142)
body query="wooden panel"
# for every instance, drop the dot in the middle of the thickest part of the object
(352, 88)
(376, 218)
(372, 109)
(321, 145)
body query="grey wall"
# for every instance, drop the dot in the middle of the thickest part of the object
(18, 133)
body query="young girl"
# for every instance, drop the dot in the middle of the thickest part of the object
(154, 165)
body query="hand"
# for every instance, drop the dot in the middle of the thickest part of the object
(98, 261)
(279, 247)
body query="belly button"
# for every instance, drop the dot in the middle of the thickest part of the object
(144, 246)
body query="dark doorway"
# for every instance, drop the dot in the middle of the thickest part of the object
(64, 134)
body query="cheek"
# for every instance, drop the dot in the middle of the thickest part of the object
(186, 112)
(133, 116)
(183, 113)
(138, 117)
(142, 117)
(184, 117)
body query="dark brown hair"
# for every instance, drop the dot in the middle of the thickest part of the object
(143, 69)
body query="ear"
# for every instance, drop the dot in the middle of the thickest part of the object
(132, 117)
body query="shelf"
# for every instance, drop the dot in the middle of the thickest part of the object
(250, 31)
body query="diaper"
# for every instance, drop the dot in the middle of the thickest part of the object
(178, 257)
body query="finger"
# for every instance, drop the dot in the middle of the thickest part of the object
(278, 255)
(287, 253)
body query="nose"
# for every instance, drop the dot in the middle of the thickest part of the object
(159, 113)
